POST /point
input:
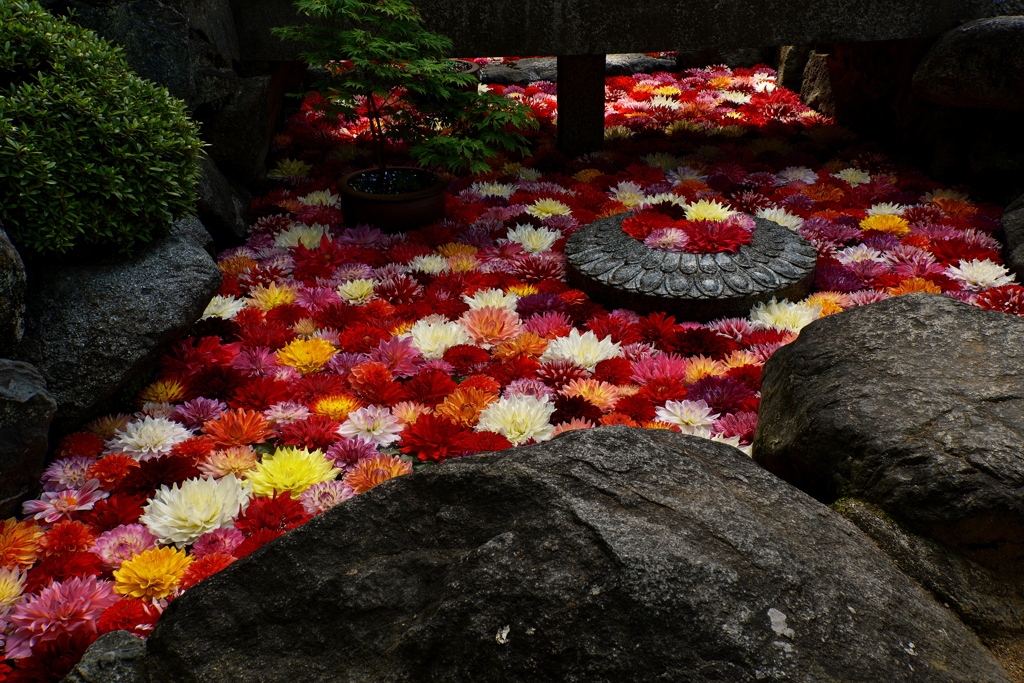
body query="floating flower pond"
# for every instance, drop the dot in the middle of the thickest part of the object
(335, 358)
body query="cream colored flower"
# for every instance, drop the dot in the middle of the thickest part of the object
(662, 160)
(505, 190)
(627, 193)
(148, 438)
(12, 585)
(583, 349)
(321, 198)
(434, 338)
(801, 173)
(182, 513)
(308, 236)
(533, 240)
(518, 418)
(886, 209)
(977, 275)
(432, 264)
(357, 291)
(617, 133)
(491, 297)
(689, 416)
(853, 176)
(784, 315)
(782, 217)
(226, 307)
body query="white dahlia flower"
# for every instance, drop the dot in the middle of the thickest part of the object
(801, 173)
(150, 437)
(226, 307)
(182, 513)
(434, 338)
(689, 416)
(518, 418)
(533, 240)
(782, 217)
(308, 236)
(432, 264)
(582, 349)
(358, 291)
(494, 298)
(853, 176)
(886, 209)
(978, 275)
(784, 315)
(505, 190)
(372, 423)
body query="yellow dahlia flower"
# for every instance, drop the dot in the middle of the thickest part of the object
(290, 168)
(708, 210)
(290, 469)
(463, 263)
(266, 297)
(306, 355)
(886, 222)
(336, 406)
(163, 391)
(152, 573)
(546, 208)
(12, 585)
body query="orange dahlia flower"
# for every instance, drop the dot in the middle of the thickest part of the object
(238, 427)
(376, 470)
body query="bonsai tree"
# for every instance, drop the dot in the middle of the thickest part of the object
(385, 65)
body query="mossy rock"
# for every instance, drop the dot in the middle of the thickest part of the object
(92, 157)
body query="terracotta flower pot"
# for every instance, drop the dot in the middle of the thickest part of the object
(409, 198)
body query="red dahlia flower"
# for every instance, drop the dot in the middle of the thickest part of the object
(434, 438)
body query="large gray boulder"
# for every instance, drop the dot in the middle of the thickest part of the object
(222, 206)
(26, 409)
(92, 328)
(115, 657)
(915, 404)
(979, 64)
(611, 554)
(991, 604)
(12, 295)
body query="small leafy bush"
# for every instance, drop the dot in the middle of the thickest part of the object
(91, 155)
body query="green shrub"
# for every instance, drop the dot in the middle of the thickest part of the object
(91, 155)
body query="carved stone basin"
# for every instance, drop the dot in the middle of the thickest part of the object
(619, 271)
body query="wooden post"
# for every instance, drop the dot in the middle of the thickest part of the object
(580, 103)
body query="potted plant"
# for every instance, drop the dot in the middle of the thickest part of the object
(385, 67)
